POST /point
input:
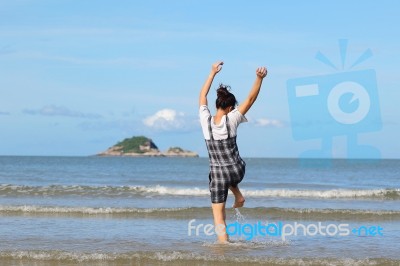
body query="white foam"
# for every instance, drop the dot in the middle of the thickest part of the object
(81, 210)
(104, 191)
(285, 193)
(56, 255)
(334, 193)
(177, 256)
(341, 211)
(161, 190)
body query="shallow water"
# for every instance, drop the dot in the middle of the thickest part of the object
(118, 211)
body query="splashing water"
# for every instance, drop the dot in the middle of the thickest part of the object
(238, 216)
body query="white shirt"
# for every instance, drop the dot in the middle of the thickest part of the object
(220, 131)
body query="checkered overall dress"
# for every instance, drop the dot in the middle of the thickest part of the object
(227, 168)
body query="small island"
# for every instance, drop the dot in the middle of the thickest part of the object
(141, 146)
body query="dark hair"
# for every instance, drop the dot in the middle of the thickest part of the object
(225, 99)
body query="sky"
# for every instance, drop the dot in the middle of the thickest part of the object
(78, 76)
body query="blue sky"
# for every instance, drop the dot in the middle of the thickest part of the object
(78, 76)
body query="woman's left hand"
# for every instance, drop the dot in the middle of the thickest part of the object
(261, 72)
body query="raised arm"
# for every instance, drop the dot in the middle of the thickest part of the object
(216, 67)
(261, 73)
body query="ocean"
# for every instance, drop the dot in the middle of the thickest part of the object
(154, 211)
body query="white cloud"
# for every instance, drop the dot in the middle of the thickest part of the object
(165, 119)
(52, 110)
(266, 122)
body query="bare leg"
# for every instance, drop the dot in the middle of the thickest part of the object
(219, 221)
(239, 199)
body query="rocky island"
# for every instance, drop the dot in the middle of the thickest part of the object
(140, 146)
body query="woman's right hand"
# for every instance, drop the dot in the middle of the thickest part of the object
(216, 67)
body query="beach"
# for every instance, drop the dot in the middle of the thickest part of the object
(138, 211)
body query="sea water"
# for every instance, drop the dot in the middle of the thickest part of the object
(118, 211)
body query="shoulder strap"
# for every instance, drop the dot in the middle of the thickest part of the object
(209, 128)
(228, 128)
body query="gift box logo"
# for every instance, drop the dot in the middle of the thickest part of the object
(340, 104)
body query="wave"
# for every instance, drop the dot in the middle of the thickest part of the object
(203, 212)
(148, 191)
(4, 209)
(102, 191)
(42, 257)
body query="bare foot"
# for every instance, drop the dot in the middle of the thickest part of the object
(239, 202)
(223, 242)
(239, 199)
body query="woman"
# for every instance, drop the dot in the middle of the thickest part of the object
(226, 166)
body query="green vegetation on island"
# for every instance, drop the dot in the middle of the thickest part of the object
(175, 149)
(142, 146)
(139, 144)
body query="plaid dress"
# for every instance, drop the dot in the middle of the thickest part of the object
(227, 168)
